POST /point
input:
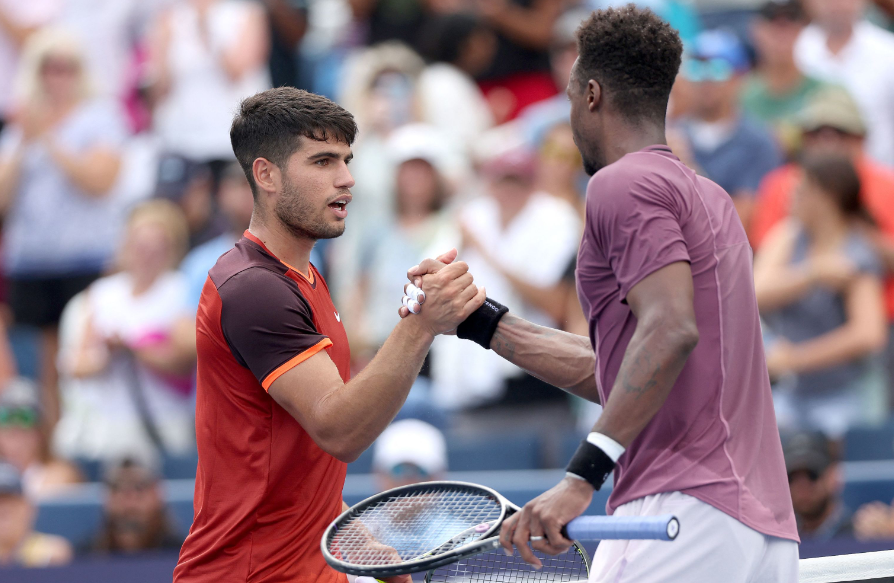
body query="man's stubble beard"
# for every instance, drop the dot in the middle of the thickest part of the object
(300, 216)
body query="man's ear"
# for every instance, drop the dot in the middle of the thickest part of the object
(594, 95)
(267, 175)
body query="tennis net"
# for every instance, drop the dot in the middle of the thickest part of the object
(877, 567)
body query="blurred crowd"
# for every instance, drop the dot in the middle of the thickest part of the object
(119, 190)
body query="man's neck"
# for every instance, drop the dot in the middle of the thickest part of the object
(289, 248)
(838, 37)
(781, 78)
(625, 140)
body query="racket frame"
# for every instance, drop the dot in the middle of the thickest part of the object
(488, 540)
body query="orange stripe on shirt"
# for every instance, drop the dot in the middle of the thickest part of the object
(295, 361)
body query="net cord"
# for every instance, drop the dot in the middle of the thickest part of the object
(857, 567)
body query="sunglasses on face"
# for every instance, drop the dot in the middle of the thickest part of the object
(810, 474)
(407, 469)
(701, 70)
(18, 416)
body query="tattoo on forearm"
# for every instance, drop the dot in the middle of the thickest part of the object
(503, 346)
(641, 362)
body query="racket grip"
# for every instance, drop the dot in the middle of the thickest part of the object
(663, 527)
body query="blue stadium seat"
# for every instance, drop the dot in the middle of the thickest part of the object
(76, 521)
(858, 493)
(180, 467)
(514, 451)
(502, 451)
(870, 443)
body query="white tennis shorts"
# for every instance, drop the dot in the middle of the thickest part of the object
(712, 547)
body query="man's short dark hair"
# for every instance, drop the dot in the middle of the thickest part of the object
(634, 56)
(271, 124)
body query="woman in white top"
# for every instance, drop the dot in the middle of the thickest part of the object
(128, 389)
(205, 57)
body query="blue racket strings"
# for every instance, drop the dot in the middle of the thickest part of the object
(496, 567)
(412, 525)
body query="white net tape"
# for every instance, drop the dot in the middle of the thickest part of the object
(859, 567)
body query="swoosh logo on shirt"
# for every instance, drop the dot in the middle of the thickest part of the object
(337, 317)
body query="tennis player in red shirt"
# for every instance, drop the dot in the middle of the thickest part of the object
(277, 414)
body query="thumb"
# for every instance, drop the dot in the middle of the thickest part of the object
(448, 257)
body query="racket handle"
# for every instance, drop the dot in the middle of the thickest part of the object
(664, 527)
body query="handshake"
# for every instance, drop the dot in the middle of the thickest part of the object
(453, 303)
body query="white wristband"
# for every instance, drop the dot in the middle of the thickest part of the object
(612, 448)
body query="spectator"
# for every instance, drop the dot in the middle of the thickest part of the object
(20, 545)
(380, 89)
(818, 286)
(777, 91)
(519, 74)
(537, 118)
(191, 185)
(840, 47)
(23, 443)
(236, 203)
(407, 452)
(457, 48)
(832, 124)
(390, 20)
(111, 32)
(419, 224)
(500, 246)
(135, 517)
(131, 382)
(727, 146)
(287, 22)
(205, 56)
(874, 521)
(815, 483)
(18, 20)
(58, 161)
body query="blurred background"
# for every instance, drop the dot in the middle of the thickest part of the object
(119, 190)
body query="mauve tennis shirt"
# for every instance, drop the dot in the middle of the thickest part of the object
(715, 437)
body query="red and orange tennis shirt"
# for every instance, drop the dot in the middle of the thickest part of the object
(265, 491)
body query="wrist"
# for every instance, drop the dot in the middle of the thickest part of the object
(591, 463)
(417, 329)
(481, 325)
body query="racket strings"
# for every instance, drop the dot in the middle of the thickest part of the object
(496, 567)
(408, 526)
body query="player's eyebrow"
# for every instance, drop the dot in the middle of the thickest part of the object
(336, 155)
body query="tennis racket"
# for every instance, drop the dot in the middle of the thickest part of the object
(496, 567)
(421, 527)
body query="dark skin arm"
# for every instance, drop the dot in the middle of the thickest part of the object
(665, 336)
(559, 358)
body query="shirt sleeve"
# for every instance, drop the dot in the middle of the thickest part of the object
(268, 324)
(636, 224)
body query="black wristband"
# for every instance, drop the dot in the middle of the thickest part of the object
(481, 325)
(591, 463)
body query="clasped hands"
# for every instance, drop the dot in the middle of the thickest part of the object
(450, 294)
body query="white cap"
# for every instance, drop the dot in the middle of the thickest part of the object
(411, 441)
(420, 141)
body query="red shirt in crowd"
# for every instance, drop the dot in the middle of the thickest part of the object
(265, 491)
(877, 189)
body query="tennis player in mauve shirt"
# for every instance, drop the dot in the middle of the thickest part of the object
(664, 275)
(277, 414)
